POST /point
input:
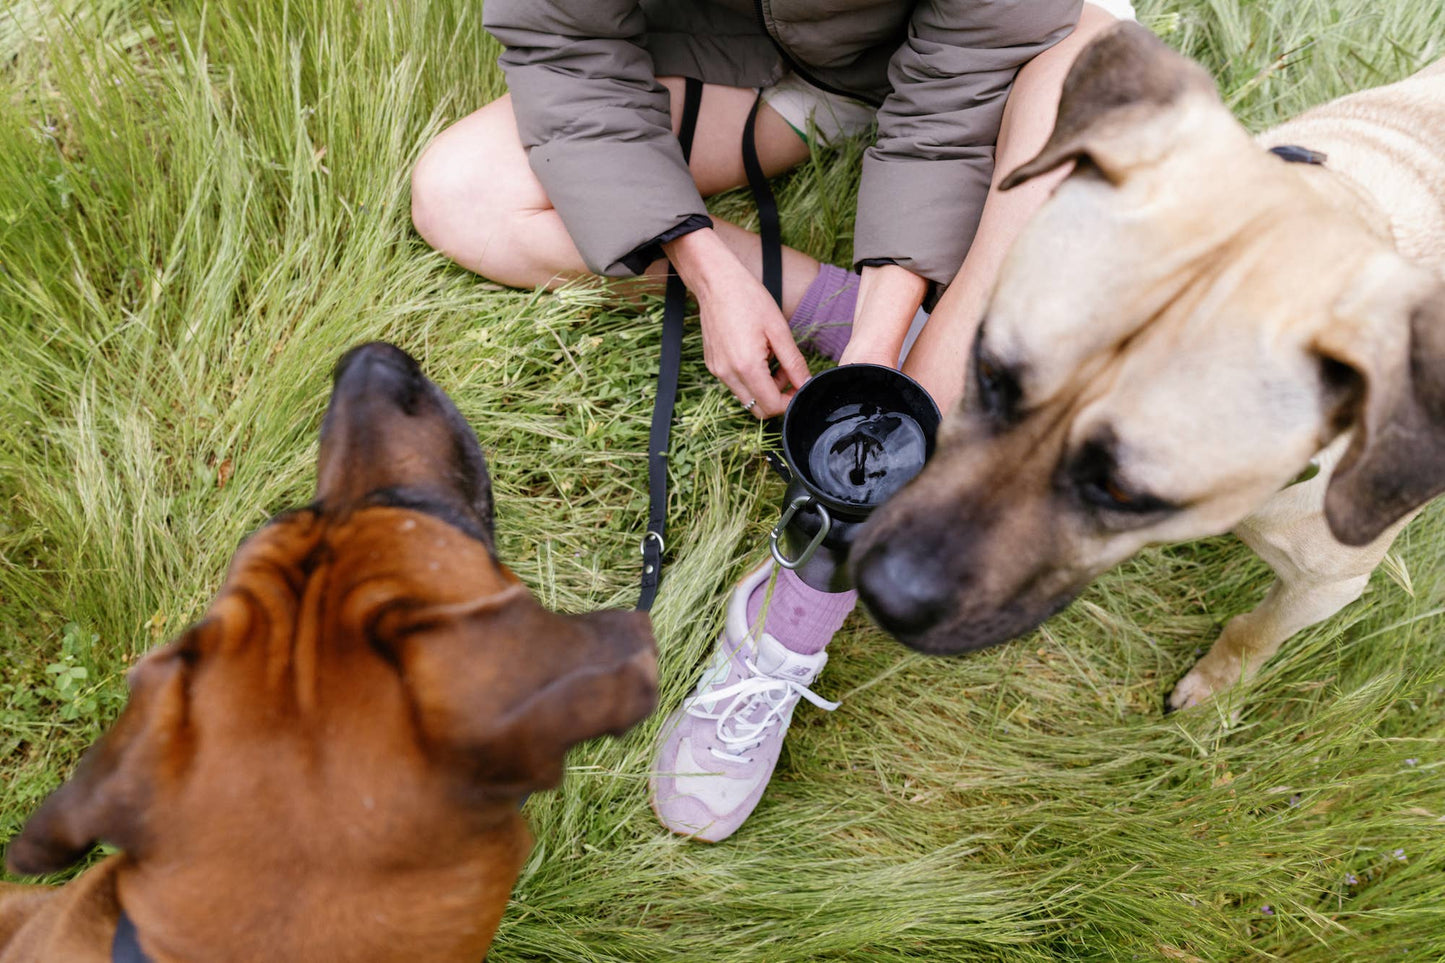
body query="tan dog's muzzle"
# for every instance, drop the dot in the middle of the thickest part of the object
(945, 572)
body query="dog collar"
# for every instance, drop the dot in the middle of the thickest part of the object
(125, 948)
(1296, 154)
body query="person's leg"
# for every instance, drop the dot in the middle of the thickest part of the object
(475, 198)
(719, 748)
(938, 358)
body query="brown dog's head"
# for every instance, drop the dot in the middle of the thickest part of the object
(370, 694)
(1186, 321)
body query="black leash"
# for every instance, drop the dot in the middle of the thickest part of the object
(673, 309)
(771, 235)
(769, 227)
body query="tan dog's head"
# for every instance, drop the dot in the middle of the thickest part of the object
(1185, 322)
(367, 700)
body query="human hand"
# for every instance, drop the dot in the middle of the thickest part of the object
(888, 298)
(742, 328)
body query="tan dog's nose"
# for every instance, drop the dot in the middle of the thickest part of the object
(903, 589)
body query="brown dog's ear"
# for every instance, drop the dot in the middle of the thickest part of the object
(1390, 330)
(106, 797)
(502, 693)
(1124, 78)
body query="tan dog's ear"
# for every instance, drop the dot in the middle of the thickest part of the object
(107, 796)
(1124, 78)
(502, 692)
(1390, 331)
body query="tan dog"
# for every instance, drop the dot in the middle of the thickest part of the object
(328, 765)
(1185, 324)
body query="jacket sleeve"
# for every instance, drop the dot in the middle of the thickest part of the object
(926, 176)
(595, 123)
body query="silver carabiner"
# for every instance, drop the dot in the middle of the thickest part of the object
(795, 506)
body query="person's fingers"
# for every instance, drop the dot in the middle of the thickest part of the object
(722, 370)
(790, 360)
(741, 388)
(758, 384)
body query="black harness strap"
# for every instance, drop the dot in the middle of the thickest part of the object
(125, 948)
(673, 310)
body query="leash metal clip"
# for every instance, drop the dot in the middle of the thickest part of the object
(795, 506)
(661, 545)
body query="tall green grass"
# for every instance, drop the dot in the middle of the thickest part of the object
(201, 206)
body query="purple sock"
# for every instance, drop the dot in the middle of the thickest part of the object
(823, 321)
(799, 616)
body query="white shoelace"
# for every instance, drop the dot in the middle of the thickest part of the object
(738, 732)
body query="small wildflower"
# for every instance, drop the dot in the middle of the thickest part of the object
(1411, 762)
(1294, 801)
(1267, 910)
(1400, 855)
(1351, 879)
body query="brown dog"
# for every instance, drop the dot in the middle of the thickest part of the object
(1186, 324)
(328, 765)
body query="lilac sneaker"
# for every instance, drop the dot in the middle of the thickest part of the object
(719, 748)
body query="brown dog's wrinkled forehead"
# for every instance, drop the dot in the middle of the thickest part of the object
(374, 553)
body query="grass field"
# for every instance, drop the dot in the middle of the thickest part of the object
(201, 208)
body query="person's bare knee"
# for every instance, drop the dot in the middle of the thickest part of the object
(472, 188)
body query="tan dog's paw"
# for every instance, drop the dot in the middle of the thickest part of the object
(1209, 676)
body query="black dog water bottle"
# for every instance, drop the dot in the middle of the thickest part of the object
(852, 436)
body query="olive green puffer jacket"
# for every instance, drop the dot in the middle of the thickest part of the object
(597, 130)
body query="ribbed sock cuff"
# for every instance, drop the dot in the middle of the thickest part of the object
(823, 321)
(799, 616)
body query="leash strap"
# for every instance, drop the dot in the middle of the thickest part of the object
(769, 228)
(770, 233)
(674, 307)
(125, 948)
(673, 310)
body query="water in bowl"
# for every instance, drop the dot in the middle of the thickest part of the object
(866, 454)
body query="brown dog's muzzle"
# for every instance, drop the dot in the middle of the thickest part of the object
(391, 436)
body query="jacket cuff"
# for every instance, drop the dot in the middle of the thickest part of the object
(640, 257)
(615, 198)
(920, 214)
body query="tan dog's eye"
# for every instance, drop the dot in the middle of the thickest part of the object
(1116, 493)
(998, 389)
(1109, 494)
(1093, 476)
